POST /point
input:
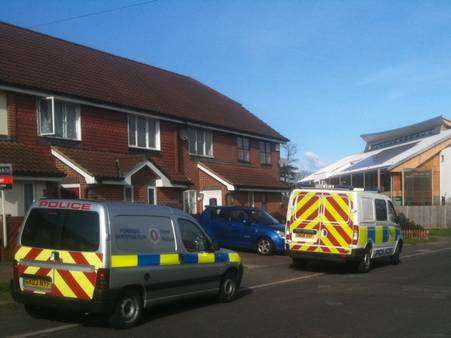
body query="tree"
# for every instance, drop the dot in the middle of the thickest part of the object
(289, 171)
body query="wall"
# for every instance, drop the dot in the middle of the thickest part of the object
(445, 174)
(437, 216)
(14, 198)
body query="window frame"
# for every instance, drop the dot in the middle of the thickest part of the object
(52, 133)
(157, 132)
(132, 190)
(243, 149)
(194, 131)
(264, 154)
(154, 188)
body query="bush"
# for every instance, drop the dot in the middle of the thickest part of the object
(407, 224)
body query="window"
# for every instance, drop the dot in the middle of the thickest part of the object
(391, 212)
(58, 119)
(28, 195)
(250, 199)
(381, 210)
(190, 201)
(143, 132)
(3, 115)
(62, 229)
(243, 145)
(128, 194)
(152, 195)
(151, 234)
(194, 240)
(265, 153)
(220, 214)
(367, 209)
(200, 142)
(238, 215)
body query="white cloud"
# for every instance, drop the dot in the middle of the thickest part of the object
(313, 161)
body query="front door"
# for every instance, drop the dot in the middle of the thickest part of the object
(211, 198)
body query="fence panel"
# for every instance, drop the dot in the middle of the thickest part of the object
(434, 216)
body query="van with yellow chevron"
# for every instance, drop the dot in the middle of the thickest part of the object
(116, 259)
(346, 225)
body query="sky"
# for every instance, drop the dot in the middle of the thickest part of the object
(320, 72)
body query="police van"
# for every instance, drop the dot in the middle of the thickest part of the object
(342, 225)
(116, 259)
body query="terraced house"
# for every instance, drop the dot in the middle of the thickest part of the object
(80, 123)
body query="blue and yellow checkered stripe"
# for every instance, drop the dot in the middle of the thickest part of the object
(378, 234)
(129, 261)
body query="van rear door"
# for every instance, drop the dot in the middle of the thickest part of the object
(59, 252)
(336, 222)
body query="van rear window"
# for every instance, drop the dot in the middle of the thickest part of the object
(62, 230)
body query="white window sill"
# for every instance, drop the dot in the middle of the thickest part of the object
(61, 138)
(144, 148)
(204, 156)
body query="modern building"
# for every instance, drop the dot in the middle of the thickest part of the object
(411, 164)
(81, 123)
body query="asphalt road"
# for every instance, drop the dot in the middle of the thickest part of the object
(412, 299)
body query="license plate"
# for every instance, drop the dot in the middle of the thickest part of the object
(304, 235)
(37, 283)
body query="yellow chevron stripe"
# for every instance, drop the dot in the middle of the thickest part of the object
(65, 290)
(336, 235)
(329, 245)
(43, 256)
(21, 253)
(341, 202)
(83, 282)
(300, 203)
(93, 259)
(333, 212)
(312, 224)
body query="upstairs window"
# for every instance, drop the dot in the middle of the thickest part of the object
(58, 119)
(200, 142)
(265, 153)
(243, 145)
(143, 132)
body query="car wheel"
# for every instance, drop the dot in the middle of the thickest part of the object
(395, 258)
(228, 289)
(365, 262)
(265, 246)
(299, 263)
(128, 310)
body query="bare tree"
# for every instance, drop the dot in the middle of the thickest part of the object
(289, 171)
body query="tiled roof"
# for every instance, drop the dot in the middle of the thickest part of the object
(25, 161)
(245, 176)
(38, 61)
(113, 166)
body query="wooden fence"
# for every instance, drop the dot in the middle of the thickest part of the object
(415, 234)
(435, 216)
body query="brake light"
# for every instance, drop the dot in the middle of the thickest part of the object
(355, 235)
(288, 236)
(103, 279)
(15, 271)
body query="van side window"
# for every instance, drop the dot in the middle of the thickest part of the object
(391, 212)
(143, 234)
(381, 210)
(367, 209)
(193, 238)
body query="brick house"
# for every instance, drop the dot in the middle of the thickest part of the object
(76, 122)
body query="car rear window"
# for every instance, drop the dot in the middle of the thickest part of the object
(71, 230)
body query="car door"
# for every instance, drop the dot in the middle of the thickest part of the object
(199, 270)
(219, 225)
(240, 228)
(382, 231)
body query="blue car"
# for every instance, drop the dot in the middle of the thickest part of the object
(245, 228)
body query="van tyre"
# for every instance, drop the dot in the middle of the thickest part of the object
(395, 258)
(299, 263)
(37, 311)
(265, 247)
(128, 310)
(228, 289)
(364, 265)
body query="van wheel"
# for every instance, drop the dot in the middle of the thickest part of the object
(299, 263)
(228, 289)
(128, 310)
(265, 247)
(395, 258)
(365, 262)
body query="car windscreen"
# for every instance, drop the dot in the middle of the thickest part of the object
(59, 229)
(262, 217)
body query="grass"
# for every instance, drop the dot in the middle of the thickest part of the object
(440, 232)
